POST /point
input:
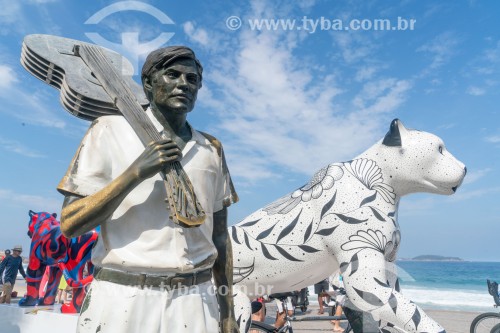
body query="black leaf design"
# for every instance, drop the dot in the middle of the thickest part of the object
(343, 266)
(416, 318)
(241, 273)
(247, 241)
(369, 297)
(354, 264)
(308, 249)
(308, 231)
(328, 205)
(286, 254)
(266, 253)
(377, 214)
(392, 215)
(397, 287)
(326, 232)
(249, 224)
(350, 220)
(235, 235)
(393, 303)
(383, 284)
(289, 227)
(265, 233)
(368, 199)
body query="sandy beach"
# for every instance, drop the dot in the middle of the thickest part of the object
(452, 321)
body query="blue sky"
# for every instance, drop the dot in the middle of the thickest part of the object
(283, 102)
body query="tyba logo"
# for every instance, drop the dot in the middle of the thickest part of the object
(130, 45)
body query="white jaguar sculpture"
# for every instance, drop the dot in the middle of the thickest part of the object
(346, 217)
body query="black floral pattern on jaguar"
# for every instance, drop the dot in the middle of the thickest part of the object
(374, 240)
(322, 180)
(369, 174)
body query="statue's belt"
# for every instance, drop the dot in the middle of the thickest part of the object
(154, 281)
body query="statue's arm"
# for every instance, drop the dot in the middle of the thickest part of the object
(223, 272)
(82, 214)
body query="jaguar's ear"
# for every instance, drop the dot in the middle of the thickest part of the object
(393, 137)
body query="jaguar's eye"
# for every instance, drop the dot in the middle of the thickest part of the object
(440, 149)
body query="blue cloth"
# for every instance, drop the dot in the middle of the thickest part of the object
(11, 265)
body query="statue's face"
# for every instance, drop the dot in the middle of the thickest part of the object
(175, 87)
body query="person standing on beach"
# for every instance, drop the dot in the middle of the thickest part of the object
(6, 254)
(142, 256)
(11, 265)
(321, 289)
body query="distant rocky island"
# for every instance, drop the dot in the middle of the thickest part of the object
(431, 257)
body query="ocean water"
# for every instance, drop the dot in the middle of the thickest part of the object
(449, 285)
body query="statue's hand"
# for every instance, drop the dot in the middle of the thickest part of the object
(155, 157)
(229, 325)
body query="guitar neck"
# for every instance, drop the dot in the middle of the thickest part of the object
(121, 93)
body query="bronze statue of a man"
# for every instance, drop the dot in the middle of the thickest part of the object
(153, 275)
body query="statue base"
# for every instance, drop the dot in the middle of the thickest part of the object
(15, 319)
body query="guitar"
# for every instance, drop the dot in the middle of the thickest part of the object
(95, 81)
(52, 60)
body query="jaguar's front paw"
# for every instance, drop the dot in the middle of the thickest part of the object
(28, 301)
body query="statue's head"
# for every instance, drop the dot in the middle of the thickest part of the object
(171, 77)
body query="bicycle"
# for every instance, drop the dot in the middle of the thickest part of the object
(488, 322)
(258, 326)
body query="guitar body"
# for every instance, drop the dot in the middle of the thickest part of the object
(52, 59)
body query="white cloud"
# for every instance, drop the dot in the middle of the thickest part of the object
(488, 62)
(467, 195)
(40, 2)
(18, 148)
(493, 138)
(365, 73)
(36, 106)
(278, 112)
(417, 206)
(11, 10)
(30, 201)
(475, 91)
(447, 126)
(374, 91)
(306, 4)
(7, 76)
(354, 47)
(197, 35)
(475, 175)
(440, 49)
(493, 54)
(13, 18)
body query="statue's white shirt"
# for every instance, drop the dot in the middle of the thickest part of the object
(139, 236)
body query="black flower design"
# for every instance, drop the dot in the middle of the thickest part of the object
(322, 180)
(375, 240)
(370, 175)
